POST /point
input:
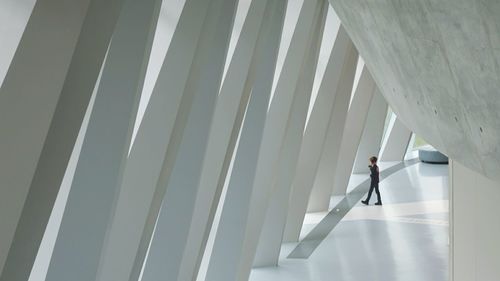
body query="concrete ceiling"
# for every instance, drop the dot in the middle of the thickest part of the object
(437, 62)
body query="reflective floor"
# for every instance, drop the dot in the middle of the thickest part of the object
(406, 239)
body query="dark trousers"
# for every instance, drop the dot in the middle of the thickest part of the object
(373, 185)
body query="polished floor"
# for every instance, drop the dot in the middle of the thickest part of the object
(406, 239)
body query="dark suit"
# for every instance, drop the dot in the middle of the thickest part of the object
(374, 175)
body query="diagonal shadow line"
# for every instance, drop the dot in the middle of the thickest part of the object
(312, 240)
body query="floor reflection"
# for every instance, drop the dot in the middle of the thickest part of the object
(406, 239)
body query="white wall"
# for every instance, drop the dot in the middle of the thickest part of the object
(474, 227)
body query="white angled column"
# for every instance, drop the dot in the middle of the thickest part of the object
(259, 152)
(139, 200)
(353, 130)
(180, 176)
(261, 30)
(319, 199)
(311, 180)
(342, 57)
(396, 141)
(285, 169)
(105, 146)
(28, 97)
(372, 134)
(94, 34)
(14, 16)
(279, 178)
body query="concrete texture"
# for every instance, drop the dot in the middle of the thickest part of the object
(437, 64)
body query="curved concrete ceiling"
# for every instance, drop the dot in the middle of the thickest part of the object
(437, 62)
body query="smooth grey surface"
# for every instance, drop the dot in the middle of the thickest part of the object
(28, 98)
(307, 246)
(415, 190)
(435, 216)
(396, 252)
(432, 156)
(370, 250)
(93, 42)
(437, 64)
(83, 71)
(105, 147)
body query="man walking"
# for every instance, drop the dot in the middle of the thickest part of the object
(374, 175)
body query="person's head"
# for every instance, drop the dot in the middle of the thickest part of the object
(373, 160)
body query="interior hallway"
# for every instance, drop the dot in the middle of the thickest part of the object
(405, 239)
